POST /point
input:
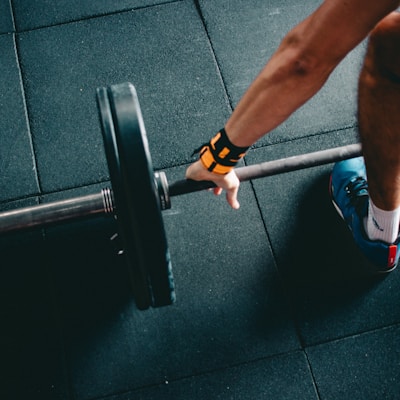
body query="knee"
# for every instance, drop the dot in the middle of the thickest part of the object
(383, 54)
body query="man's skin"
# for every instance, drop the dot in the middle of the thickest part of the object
(300, 67)
(379, 113)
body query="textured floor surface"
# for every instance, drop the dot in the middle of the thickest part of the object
(272, 300)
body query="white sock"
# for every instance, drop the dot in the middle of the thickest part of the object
(382, 225)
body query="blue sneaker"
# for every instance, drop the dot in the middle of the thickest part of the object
(349, 193)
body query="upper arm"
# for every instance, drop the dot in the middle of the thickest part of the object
(337, 26)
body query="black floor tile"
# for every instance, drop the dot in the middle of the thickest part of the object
(32, 361)
(331, 283)
(12, 205)
(6, 19)
(362, 367)
(162, 50)
(244, 35)
(230, 305)
(333, 311)
(285, 377)
(18, 170)
(43, 13)
(253, 286)
(297, 210)
(91, 289)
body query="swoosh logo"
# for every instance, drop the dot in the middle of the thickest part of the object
(376, 224)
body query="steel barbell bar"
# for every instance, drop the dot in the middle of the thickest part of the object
(274, 167)
(103, 204)
(138, 195)
(51, 213)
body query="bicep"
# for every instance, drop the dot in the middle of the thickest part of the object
(337, 26)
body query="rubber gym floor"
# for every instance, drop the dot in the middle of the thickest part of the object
(273, 300)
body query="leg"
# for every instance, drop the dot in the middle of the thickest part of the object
(372, 210)
(379, 113)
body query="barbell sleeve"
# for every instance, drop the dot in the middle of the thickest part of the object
(42, 215)
(269, 168)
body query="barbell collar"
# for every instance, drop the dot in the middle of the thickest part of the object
(274, 167)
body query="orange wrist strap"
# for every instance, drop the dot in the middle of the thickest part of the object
(220, 155)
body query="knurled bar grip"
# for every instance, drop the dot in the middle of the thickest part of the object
(102, 203)
(274, 167)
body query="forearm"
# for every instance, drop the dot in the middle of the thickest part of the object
(301, 65)
(297, 70)
(284, 85)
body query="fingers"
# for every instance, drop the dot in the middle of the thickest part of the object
(231, 197)
(232, 188)
(217, 191)
(229, 182)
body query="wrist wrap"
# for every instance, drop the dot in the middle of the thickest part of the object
(220, 155)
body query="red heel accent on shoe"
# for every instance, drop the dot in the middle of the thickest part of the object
(392, 255)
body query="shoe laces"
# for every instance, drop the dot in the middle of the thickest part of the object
(357, 191)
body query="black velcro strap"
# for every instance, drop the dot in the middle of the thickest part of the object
(224, 151)
(220, 155)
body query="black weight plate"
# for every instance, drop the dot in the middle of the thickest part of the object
(141, 193)
(137, 273)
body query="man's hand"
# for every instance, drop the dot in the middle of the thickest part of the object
(228, 182)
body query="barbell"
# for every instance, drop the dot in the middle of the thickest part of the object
(138, 194)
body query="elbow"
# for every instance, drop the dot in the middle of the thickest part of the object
(305, 57)
(302, 65)
(303, 60)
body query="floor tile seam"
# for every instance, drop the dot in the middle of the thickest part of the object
(265, 228)
(281, 141)
(27, 117)
(314, 380)
(186, 163)
(257, 147)
(41, 196)
(105, 183)
(228, 98)
(7, 202)
(352, 336)
(12, 14)
(290, 299)
(286, 287)
(92, 17)
(310, 363)
(199, 374)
